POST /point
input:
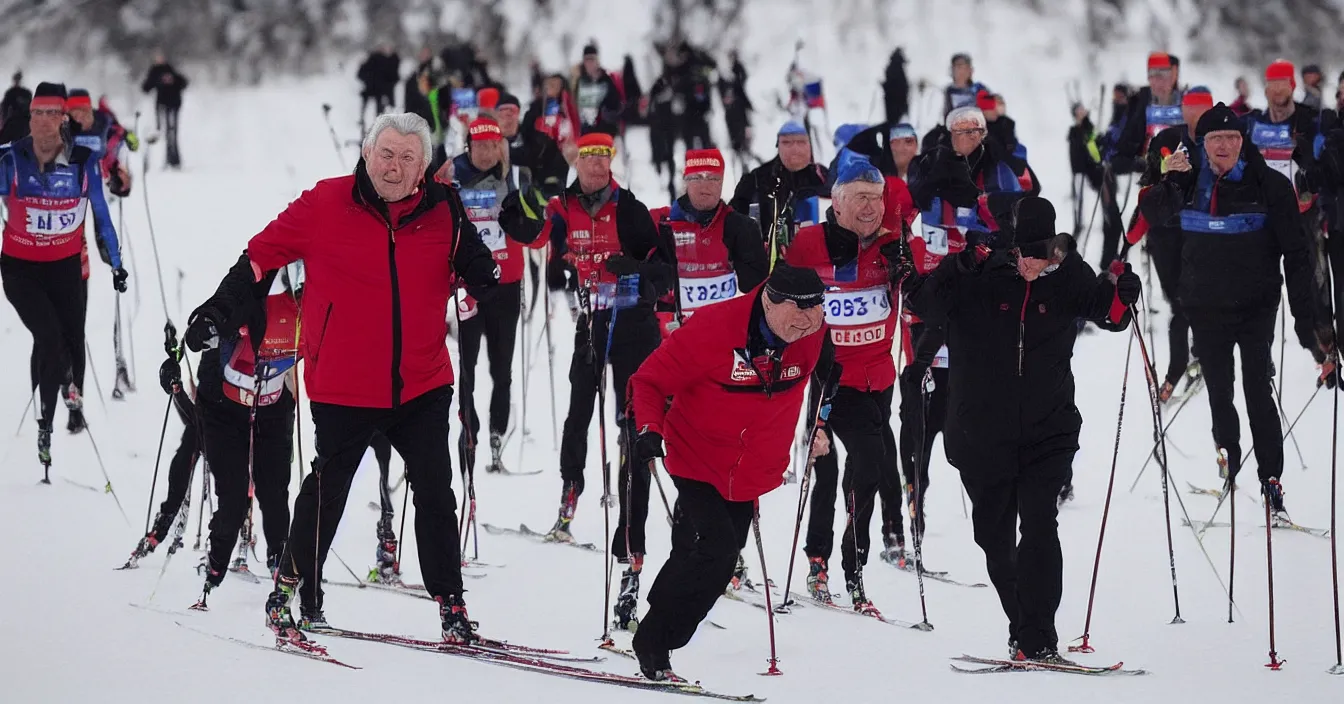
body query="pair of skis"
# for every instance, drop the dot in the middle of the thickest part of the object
(992, 665)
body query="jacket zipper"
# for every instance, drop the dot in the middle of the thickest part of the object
(396, 316)
(1022, 329)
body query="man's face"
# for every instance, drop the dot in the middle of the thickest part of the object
(1162, 81)
(508, 119)
(485, 153)
(45, 124)
(795, 151)
(859, 208)
(705, 190)
(1224, 149)
(1119, 97)
(966, 137)
(903, 151)
(1191, 115)
(789, 322)
(591, 65)
(962, 71)
(84, 116)
(1279, 92)
(1312, 79)
(594, 172)
(159, 58)
(553, 86)
(396, 164)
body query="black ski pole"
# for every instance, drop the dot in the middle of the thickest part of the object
(467, 448)
(917, 511)
(93, 372)
(1274, 662)
(335, 141)
(825, 391)
(1338, 668)
(158, 458)
(765, 577)
(550, 357)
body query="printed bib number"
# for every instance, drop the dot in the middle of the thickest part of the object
(864, 307)
(935, 240)
(702, 292)
(55, 222)
(492, 235)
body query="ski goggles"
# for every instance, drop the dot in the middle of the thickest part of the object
(597, 150)
(803, 301)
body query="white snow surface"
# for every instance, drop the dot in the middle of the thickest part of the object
(70, 635)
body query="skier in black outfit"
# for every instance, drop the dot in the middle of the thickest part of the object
(16, 100)
(1239, 218)
(167, 85)
(896, 88)
(1015, 430)
(737, 109)
(531, 149)
(787, 187)
(379, 73)
(596, 95)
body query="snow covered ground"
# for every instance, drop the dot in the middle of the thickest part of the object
(68, 633)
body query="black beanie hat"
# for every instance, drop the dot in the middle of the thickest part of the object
(801, 285)
(590, 49)
(507, 98)
(1033, 220)
(1219, 118)
(50, 90)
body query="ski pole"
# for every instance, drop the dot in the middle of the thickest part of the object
(467, 450)
(158, 459)
(93, 372)
(769, 609)
(1274, 662)
(824, 392)
(1284, 417)
(108, 487)
(1338, 668)
(1153, 453)
(602, 451)
(335, 141)
(550, 357)
(917, 511)
(1086, 645)
(1232, 550)
(653, 469)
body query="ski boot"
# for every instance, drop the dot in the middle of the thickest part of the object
(627, 603)
(76, 424)
(739, 579)
(279, 618)
(74, 403)
(44, 445)
(818, 584)
(458, 629)
(1065, 495)
(496, 465)
(312, 620)
(893, 549)
(1273, 492)
(273, 563)
(141, 551)
(1223, 471)
(213, 578)
(386, 569)
(857, 597)
(569, 502)
(1049, 655)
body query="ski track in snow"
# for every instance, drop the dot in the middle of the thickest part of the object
(69, 634)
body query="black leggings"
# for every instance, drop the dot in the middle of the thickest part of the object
(497, 320)
(51, 300)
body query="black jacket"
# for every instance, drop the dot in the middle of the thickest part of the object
(896, 88)
(16, 101)
(607, 115)
(1239, 271)
(1010, 346)
(1128, 151)
(542, 156)
(770, 183)
(168, 83)
(1306, 123)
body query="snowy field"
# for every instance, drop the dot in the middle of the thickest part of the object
(69, 634)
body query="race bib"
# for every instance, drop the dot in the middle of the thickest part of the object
(1282, 162)
(940, 359)
(622, 294)
(935, 240)
(702, 292)
(492, 235)
(54, 222)
(865, 307)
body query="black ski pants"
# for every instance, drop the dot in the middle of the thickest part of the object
(1022, 495)
(635, 336)
(708, 532)
(418, 430)
(862, 422)
(922, 417)
(229, 437)
(496, 320)
(1103, 180)
(382, 452)
(52, 301)
(1165, 249)
(1252, 330)
(166, 121)
(180, 468)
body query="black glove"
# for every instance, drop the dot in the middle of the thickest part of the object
(511, 204)
(972, 259)
(170, 375)
(622, 265)
(119, 277)
(1128, 287)
(898, 264)
(118, 188)
(202, 331)
(649, 445)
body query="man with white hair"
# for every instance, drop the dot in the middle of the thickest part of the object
(383, 248)
(861, 264)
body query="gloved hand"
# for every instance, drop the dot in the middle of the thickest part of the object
(622, 265)
(1128, 287)
(202, 331)
(119, 276)
(132, 141)
(972, 259)
(649, 445)
(170, 375)
(898, 264)
(119, 182)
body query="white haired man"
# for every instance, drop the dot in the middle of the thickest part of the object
(383, 249)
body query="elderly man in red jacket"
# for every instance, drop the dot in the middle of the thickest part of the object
(736, 373)
(383, 249)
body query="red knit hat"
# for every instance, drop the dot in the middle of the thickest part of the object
(1159, 61)
(597, 144)
(985, 101)
(703, 161)
(1197, 99)
(487, 98)
(1282, 70)
(485, 129)
(78, 99)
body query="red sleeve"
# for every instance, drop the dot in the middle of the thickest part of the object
(677, 364)
(286, 239)
(900, 205)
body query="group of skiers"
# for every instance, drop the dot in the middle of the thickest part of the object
(721, 323)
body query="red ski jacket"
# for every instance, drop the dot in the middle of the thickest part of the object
(732, 415)
(375, 305)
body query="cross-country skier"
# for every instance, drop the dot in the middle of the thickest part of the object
(248, 334)
(531, 149)
(717, 250)
(1015, 429)
(785, 190)
(736, 375)
(49, 186)
(861, 264)
(1241, 105)
(14, 106)
(167, 85)
(896, 88)
(1312, 94)
(595, 92)
(1166, 240)
(963, 89)
(382, 239)
(99, 131)
(608, 236)
(1239, 217)
(993, 169)
(737, 109)
(486, 186)
(999, 125)
(553, 114)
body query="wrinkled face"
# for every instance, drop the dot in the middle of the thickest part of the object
(84, 116)
(396, 164)
(485, 153)
(704, 190)
(858, 207)
(789, 322)
(795, 150)
(962, 71)
(1223, 148)
(966, 137)
(1191, 115)
(903, 151)
(45, 125)
(1162, 81)
(1279, 92)
(508, 119)
(594, 172)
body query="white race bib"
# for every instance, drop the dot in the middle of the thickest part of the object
(55, 221)
(492, 235)
(1281, 160)
(702, 292)
(935, 240)
(865, 307)
(940, 359)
